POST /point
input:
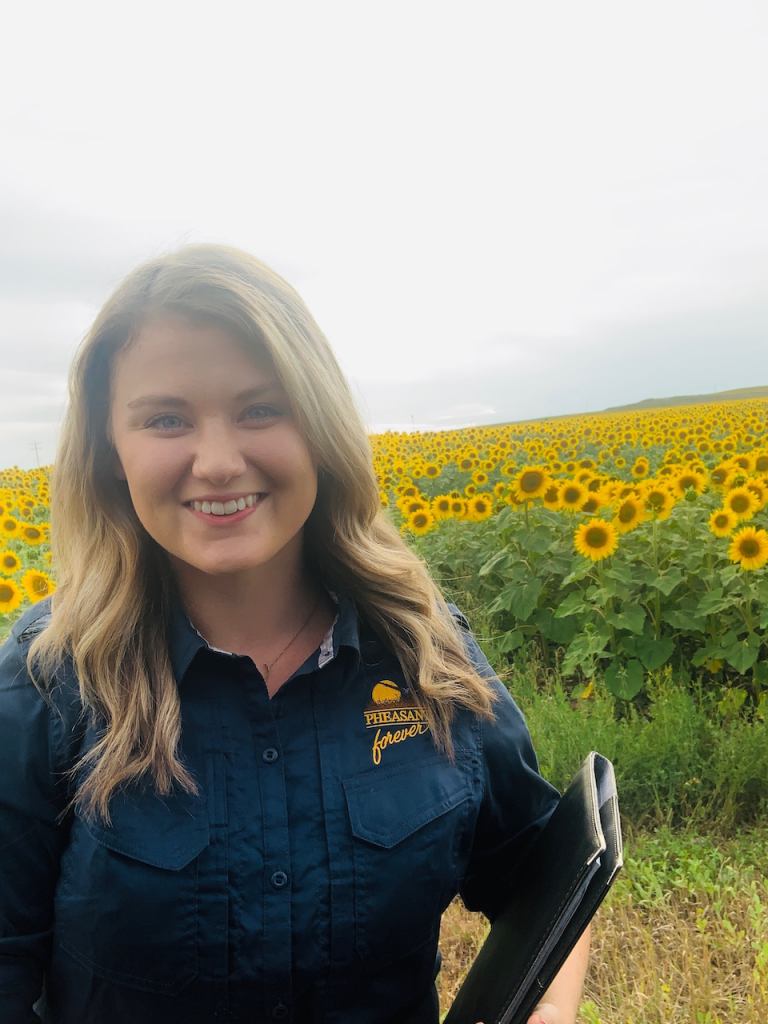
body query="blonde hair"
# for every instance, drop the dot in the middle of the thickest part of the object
(110, 613)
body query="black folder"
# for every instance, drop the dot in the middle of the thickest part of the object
(559, 885)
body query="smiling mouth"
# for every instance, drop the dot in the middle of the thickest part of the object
(225, 508)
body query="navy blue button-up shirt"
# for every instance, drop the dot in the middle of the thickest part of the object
(305, 881)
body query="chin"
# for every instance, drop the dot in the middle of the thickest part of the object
(226, 565)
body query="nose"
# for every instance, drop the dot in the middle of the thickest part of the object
(217, 455)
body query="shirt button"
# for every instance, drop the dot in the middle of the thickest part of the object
(270, 755)
(280, 1012)
(279, 879)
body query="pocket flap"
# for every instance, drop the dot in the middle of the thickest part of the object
(386, 805)
(165, 832)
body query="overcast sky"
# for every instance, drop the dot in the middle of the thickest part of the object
(495, 211)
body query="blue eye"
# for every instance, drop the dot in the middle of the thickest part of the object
(167, 421)
(257, 413)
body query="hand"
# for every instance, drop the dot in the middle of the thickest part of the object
(546, 1013)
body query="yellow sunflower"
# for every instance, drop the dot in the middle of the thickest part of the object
(722, 522)
(31, 534)
(37, 584)
(749, 547)
(531, 482)
(441, 507)
(742, 502)
(759, 489)
(9, 562)
(591, 505)
(411, 505)
(659, 501)
(689, 478)
(10, 526)
(480, 507)
(572, 495)
(629, 514)
(719, 475)
(640, 468)
(596, 540)
(551, 498)
(11, 596)
(420, 522)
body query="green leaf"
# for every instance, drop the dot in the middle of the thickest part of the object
(624, 681)
(743, 654)
(510, 641)
(580, 568)
(731, 702)
(620, 573)
(668, 581)
(572, 605)
(501, 560)
(518, 598)
(583, 648)
(559, 631)
(683, 619)
(632, 618)
(713, 602)
(707, 653)
(652, 652)
(729, 573)
(539, 539)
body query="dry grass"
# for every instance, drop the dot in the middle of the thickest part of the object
(682, 937)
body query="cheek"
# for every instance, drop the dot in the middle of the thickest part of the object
(150, 474)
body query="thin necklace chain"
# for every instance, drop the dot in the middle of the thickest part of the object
(268, 667)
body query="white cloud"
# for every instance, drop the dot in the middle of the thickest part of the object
(514, 206)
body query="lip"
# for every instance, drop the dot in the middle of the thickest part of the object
(233, 496)
(217, 522)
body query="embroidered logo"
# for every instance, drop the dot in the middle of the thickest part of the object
(394, 715)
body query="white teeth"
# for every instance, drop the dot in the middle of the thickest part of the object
(226, 508)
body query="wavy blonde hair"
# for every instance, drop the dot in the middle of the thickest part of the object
(110, 613)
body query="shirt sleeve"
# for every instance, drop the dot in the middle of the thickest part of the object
(516, 803)
(33, 739)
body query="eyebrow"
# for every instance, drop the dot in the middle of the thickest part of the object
(174, 401)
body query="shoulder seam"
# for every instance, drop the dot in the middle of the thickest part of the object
(459, 617)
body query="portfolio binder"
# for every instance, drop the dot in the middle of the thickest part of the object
(560, 883)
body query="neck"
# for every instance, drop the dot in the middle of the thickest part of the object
(239, 611)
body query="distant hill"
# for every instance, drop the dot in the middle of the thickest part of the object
(720, 396)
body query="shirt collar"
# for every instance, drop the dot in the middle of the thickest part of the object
(185, 641)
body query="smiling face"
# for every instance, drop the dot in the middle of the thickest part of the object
(217, 470)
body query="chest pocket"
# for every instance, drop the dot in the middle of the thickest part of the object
(405, 823)
(127, 902)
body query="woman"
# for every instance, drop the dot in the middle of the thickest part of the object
(248, 753)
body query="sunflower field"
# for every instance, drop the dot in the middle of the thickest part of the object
(25, 555)
(618, 544)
